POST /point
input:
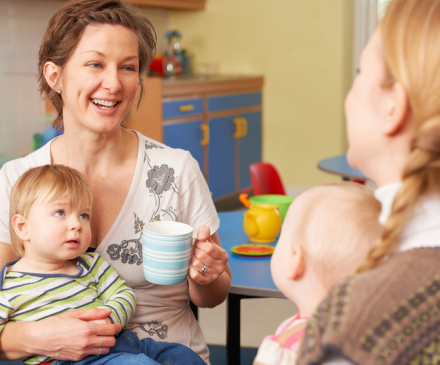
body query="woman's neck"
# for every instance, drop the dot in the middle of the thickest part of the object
(94, 154)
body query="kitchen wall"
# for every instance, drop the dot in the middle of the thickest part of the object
(304, 49)
(21, 110)
(22, 25)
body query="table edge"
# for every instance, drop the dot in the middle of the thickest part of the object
(350, 175)
(257, 292)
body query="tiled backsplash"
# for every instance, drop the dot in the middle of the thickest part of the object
(22, 25)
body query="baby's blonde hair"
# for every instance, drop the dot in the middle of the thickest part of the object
(338, 227)
(410, 32)
(46, 182)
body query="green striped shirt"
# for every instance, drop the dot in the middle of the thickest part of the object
(26, 297)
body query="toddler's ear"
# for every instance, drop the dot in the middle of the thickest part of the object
(20, 227)
(297, 264)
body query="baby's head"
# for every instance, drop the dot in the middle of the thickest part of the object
(44, 185)
(326, 235)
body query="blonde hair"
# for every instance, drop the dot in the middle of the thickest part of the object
(411, 42)
(45, 182)
(338, 227)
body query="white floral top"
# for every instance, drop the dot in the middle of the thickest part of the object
(167, 185)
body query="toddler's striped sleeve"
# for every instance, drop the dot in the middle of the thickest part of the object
(5, 311)
(113, 293)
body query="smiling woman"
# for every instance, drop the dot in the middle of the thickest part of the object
(60, 40)
(91, 61)
(103, 80)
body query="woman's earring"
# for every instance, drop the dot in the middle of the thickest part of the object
(59, 91)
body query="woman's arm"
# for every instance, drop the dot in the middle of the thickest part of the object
(69, 336)
(212, 287)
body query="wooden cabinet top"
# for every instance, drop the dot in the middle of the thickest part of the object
(168, 4)
(189, 85)
(171, 4)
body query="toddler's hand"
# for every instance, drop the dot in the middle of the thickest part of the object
(102, 321)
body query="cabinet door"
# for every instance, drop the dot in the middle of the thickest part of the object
(221, 156)
(250, 146)
(187, 136)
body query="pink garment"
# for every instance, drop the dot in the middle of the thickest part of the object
(282, 348)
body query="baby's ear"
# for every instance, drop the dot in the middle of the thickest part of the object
(297, 263)
(20, 227)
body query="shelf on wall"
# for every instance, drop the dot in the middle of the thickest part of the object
(168, 4)
(171, 4)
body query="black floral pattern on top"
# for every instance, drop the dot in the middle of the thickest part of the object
(128, 251)
(149, 146)
(152, 328)
(160, 179)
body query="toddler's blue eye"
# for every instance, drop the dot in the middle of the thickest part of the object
(60, 213)
(85, 216)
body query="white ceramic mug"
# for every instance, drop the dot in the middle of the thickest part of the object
(166, 251)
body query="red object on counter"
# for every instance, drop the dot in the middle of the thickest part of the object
(157, 65)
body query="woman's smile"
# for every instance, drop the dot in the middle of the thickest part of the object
(105, 107)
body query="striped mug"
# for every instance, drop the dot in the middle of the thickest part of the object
(166, 251)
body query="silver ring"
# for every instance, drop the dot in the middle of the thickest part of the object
(204, 270)
(99, 352)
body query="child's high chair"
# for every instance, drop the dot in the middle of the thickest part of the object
(265, 179)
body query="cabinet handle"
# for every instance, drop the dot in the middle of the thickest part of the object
(205, 140)
(238, 131)
(244, 127)
(186, 108)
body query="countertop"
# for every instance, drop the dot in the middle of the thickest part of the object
(190, 84)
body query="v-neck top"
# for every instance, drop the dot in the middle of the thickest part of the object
(167, 185)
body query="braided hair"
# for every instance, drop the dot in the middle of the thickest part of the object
(66, 27)
(410, 32)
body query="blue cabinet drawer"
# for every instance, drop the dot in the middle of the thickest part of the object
(182, 108)
(234, 101)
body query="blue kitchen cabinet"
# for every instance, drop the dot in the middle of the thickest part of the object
(234, 144)
(222, 132)
(221, 156)
(186, 135)
(250, 146)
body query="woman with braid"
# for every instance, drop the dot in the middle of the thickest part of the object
(389, 312)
